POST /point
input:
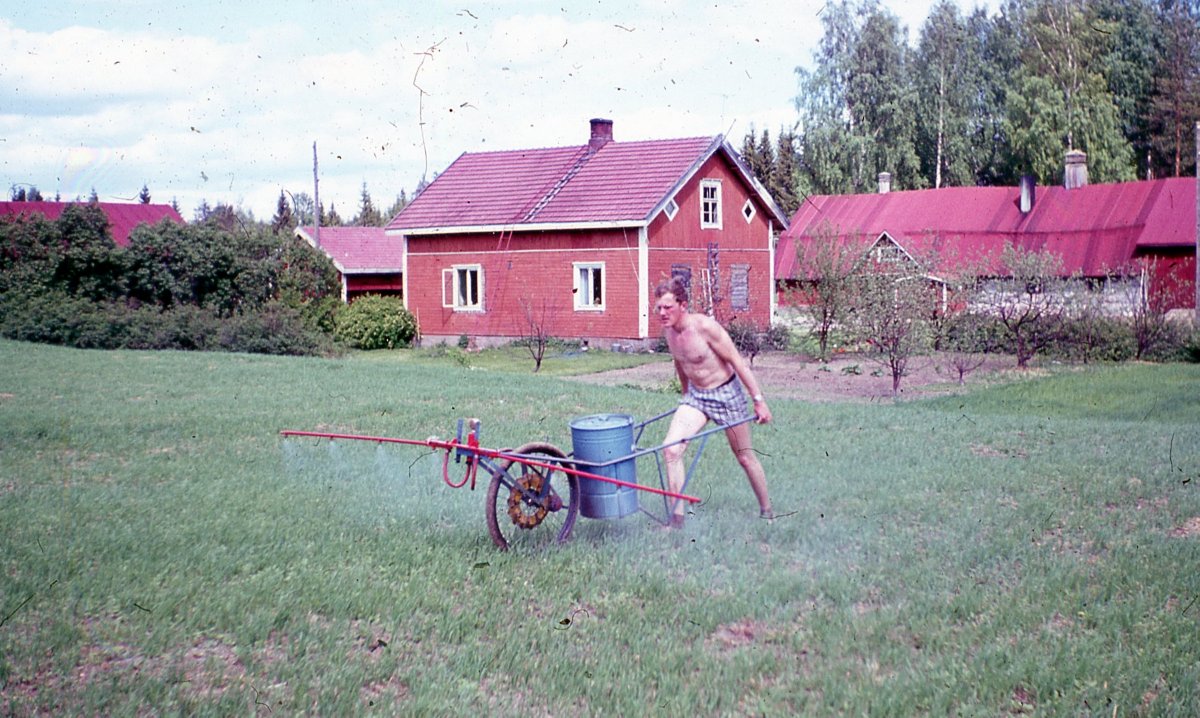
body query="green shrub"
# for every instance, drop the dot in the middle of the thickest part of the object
(777, 338)
(746, 338)
(375, 322)
(1189, 350)
(1094, 339)
(276, 329)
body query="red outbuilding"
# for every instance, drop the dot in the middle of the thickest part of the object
(575, 238)
(367, 260)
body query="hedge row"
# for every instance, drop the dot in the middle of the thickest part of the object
(58, 318)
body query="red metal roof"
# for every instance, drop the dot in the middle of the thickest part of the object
(1095, 228)
(619, 183)
(358, 250)
(122, 217)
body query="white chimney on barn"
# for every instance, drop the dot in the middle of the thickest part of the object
(1028, 192)
(885, 182)
(1075, 170)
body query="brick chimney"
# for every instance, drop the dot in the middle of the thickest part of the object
(1075, 170)
(1028, 193)
(601, 134)
(885, 182)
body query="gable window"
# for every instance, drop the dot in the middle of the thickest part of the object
(589, 285)
(748, 211)
(886, 251)
(671, 209)
(710, 204)
(462, 287)
(739, 287)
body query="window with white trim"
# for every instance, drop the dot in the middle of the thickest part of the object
(462, 287)
(710, 204)
(589, 285)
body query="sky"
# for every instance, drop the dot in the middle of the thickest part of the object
(223, 101)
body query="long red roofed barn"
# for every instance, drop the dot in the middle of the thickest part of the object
(1101, 232)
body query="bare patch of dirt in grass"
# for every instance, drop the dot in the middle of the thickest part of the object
(206, 670)
(370, 639)
(387, 691)
(992, 451)
(210, 666)
(512, 695)
(1023, 700)
(1152, 693)
(1188, 529)
(1153, 504)
(741, 633)
(843, 378)
(1062, 541)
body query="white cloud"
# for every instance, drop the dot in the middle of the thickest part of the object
(222, 102)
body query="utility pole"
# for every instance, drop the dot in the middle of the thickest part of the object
(316, 200)
(1196, 256)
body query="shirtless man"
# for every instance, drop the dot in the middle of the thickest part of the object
(712, 374)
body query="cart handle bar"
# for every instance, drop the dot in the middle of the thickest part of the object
(447, 446)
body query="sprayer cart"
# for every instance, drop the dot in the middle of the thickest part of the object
(539, 490)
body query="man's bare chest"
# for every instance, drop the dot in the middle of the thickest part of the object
(689, 347)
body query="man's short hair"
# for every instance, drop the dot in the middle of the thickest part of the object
(675, 286)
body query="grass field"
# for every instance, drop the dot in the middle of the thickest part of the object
(1032, 548)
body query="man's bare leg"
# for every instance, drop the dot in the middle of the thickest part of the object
(739, 441)
(686, 423)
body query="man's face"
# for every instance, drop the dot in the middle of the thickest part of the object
(670, 311)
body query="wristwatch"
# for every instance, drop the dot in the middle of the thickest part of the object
(757, 398)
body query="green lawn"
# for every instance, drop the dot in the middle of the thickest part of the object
(1031, 548)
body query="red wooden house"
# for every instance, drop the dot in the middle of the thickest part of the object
(367, 260)
(122, 217)
(575, 238)
(1102, 232)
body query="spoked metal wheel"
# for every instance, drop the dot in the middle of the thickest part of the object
(527, 505)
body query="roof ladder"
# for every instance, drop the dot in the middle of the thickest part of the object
(558, 186)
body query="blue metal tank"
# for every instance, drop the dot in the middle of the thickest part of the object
(600, 438)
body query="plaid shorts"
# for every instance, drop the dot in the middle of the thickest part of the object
(724, 404)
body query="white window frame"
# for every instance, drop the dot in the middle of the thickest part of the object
(583, 286)
(710, 206)
(459, 299)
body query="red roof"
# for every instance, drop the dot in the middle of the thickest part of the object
(619, 183)
(122, 217)
(1096, 228)
(358, 250)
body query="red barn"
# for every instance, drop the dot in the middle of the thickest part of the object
(122, 217)
(1101, 232)
(367, 260)
(575, 238)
